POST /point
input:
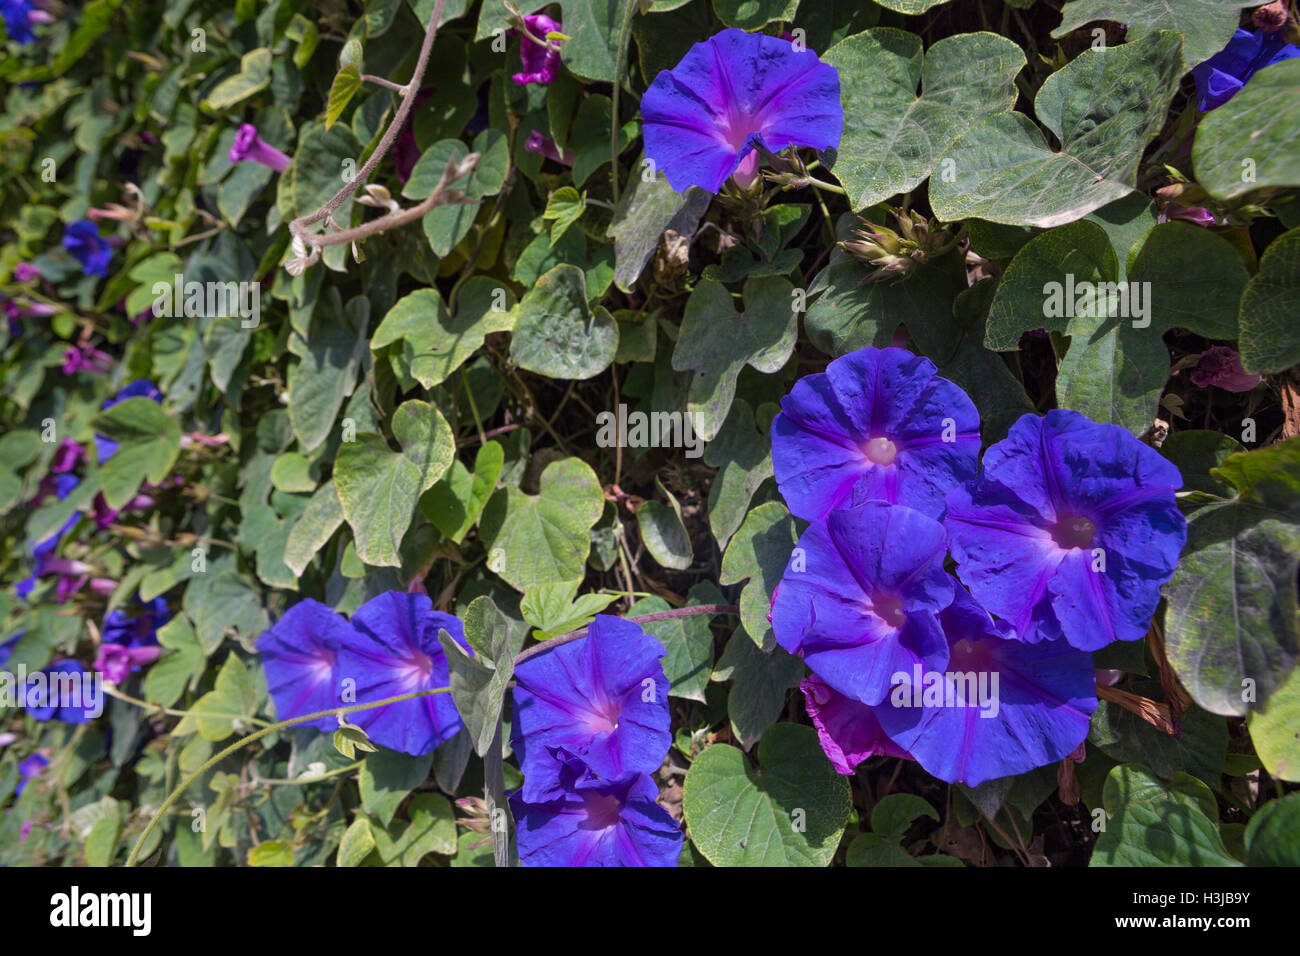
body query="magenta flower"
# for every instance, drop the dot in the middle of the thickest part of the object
(86, 358)
(249, 146)
(24, 272)
(541, 144)
(1221, 366)
(704, 118)
(541, 63)
(116, 661)
(848, 729)
(69, 456)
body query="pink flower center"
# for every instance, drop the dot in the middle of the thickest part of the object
(418, 668)
(604, 717)
(881, 451)
(602, 812)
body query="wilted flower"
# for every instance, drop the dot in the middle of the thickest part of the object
(86, 358)
(128, 643)
(24, 272)
(704, 118)
(541, 60)
(1221, 365)
(84, 243)
(878, 424)
(29, 769)
(1070, 531)
(848, 729)
(249, 146)
(541, 144)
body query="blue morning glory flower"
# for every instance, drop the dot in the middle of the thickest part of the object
(18, 20)
(612, 824)
(702, 119)
(87, 246)
(106, 448)
(1070, 531)
(602, 698)
(128, 643)
(395, 651)
(33, 766)
(299, 655)
(878, 424)
(1220, 77)
(1017, 706)
(42, 702)
(861, 596)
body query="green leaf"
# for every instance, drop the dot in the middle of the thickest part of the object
(91, 23)
(313, 529)
(543, 538)
(233, 699)
(1270, 335)
(358, 840)
(1253, 140)
(173, 673)
(647, 208)
(912, 7)
(149, 443)
(790, 812)
(760, 682)
(716, 342)
(893, 146)
(1232, 626)
(345, 86)
(271, 853)
(565, 206)
(664, 532)
(478, 685)
(1273, 834)
(891, 817)
(101, 843)
(220, 602)
(743, 456)
(1069, 280)
(432, 829)
(556, 332)
(455, 503)
(1153, 823)
(327, 373)
(254, 76)
(434, 344)
(378, 488)
(1103, 107)
(1273, 724)
(387, 777)
(1199, 748)
(687, 640)
(555, 609)
(592, 26)
(759, 551)
(1206, 25)
(754, 14)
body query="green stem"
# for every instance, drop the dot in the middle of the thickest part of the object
(625, 31)
(258, 735)
(112, 691)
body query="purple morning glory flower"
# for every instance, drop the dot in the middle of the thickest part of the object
(30, 768)
(861, 596)
(87, 246)
(299, 655)
(106, 448)
(541, 144)
(395, 651)
(1221, 365)
(703, 118)
(25, 272)
(878, 424)
(614, 824)
(1001, 707)
(249, 146)
(541, 64)
(128, 643)
(86, 358)
(68, 457)
(1070, 531)
(602, 698)
(1220, 77)
(849, 730)
(43, 700)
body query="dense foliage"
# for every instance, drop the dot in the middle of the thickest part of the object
(577, 434)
